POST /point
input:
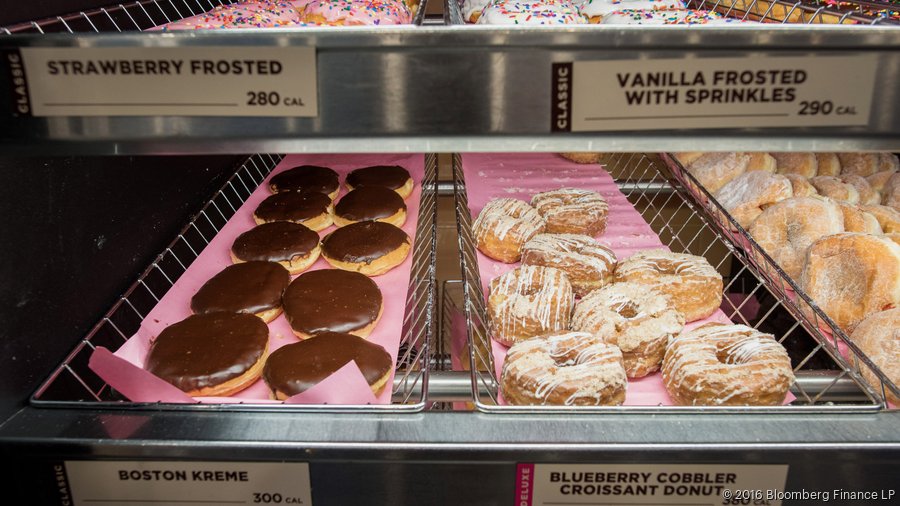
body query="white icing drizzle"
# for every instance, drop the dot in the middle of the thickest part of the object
(528, 301)
(578, 252)
(567, 201)
(507, 216)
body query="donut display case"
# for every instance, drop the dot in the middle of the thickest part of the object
(139, 140)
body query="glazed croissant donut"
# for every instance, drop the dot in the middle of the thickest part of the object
(787, 229)
(745, 196)
(637, 318)
(804, 164)
(693, 286)
(567, 369)
(851, 276)
(857, 220)
(587, 263)
(878, 336)
(801, 186)
(726, 365)
(529, 301)
(503, 226)
(833, 188)
(572, 211)
(714, 170)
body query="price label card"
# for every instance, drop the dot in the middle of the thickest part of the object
(649, 484)
(712, 93)
(154, 81)
(143, 482)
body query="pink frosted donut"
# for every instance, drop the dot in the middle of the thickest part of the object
(357, 12)
(241, 15)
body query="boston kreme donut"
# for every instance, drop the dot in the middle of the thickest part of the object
(370, 203)
(311, 209)
(306, 178)
(726, 365)
(210, 354)
(392, 177)
(563, 369)
(249, 287)
(369, 247)
(292, 245)
(503, 226)
(297, 367)
(572, 211)
(529, 301)
(637, 318)
(587, 263)
(332, 300)
(692, 284)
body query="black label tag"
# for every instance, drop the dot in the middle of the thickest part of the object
(20, 100)
(561, 98)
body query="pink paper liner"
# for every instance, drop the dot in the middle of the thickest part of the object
(175, 305)
(521, 175)
(346, 386)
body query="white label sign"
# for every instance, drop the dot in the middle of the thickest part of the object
(712, 93)
(650, 484)
(93, 483)
(153, 81)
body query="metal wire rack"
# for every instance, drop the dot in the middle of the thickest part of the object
(74, 384)
(795, 300)
(825, 381)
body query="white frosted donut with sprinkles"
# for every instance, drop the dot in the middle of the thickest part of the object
(596, 9)
(566, 369)
(637, 318)
(667, 17)
(726, 365)
(519, 12)
(504, 226)
(588, 264)
(529, 301)
(692, 284)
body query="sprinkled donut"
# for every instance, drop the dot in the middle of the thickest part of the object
(726, 365)
(878, 336)
(596, 9)
(587, 263)
(667, 17)
(356, 12)
(572, 211)
(745, 196)
(526, 12)
(504, 226)
(568, 369)
(263, 14)
(851, 276)
(715, 170)
(637, 318)
(693, 286)
(787, 229)
(529, 301)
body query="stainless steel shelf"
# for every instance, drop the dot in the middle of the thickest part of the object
(460, 88)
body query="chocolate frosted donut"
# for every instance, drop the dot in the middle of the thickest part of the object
(295, 368)
(210, 354)
(392, 177)
(311, 209)
(306, 178)
(290, 244)
(332, 300)
(369, 247)
(370, 203)
(249, 287)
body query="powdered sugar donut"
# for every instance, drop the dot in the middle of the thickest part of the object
(572, 211)
(727, 365)
(857, 220)
(804, 164)
(529, 301)
(833, 188)
(504, 226)
(851, 276)
(587, 263)
(801, 186)
(637, 318)
(745, 196)
(828, 164)
(861, 164)
(693, 286)
(715, 170)
(787, 229)
(890, 194)
(867, 196)
(762, 161)
(878, 336)
(567, 369)
(888, 217)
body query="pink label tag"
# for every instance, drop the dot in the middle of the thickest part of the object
(524, 484)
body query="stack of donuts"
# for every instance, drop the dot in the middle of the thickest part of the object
(831, 221)
(555, 12)
(297, 13)
(223, 347)
(578, 322)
